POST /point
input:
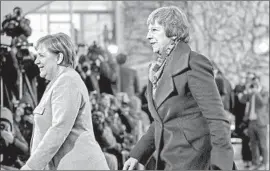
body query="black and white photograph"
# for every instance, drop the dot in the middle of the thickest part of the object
(134, 85)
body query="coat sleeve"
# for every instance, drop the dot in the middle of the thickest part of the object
(204, 90)
(65, 102)
(145, 146)
(262, 98)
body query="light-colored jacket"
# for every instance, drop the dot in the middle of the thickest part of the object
(63, 136)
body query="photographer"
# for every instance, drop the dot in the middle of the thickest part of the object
(18, 71)
(257, 118)
(12, 142)
(9, 73)
(89, 76)
(105, 67)
(27, 70)
(241, 129)
(23, 119)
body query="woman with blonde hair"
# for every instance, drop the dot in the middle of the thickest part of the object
(63, 136)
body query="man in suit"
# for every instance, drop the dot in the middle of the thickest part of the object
(257, 115)
(127, 78)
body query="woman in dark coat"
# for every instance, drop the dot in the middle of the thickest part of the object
(190, 129)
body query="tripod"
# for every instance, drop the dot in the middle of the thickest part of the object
(23, 78)
(9, 95)
(1, 91)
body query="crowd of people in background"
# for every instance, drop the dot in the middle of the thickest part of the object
(247, 104)
(251, 111)
(120, 113)
(117, 115)
(118, 118)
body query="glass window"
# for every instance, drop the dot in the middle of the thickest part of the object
(79, 5)
(90, 37)
(38, 23)
(99, 5)
(59, 5)
(76, 20)
(34, 21)
(36, 34)
(90, 21)
(63, 27)
(94, 25)
(59, 17)
(44, 22)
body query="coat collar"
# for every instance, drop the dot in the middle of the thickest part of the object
(177, 63)
(179, 58)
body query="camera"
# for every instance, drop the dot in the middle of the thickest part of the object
(15, 24)
(2, 127)
(95, 66)
(253, 85)
(3, 54)
(85, 67)
(28, 110)
(22, 46)
(2, 141)
(93, 54)
(17, 27)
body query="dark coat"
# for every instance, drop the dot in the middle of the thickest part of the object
(190, 129)
(128, 81)
(108, 77)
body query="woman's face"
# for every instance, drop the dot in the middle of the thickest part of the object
(157, 37)
(46, 62)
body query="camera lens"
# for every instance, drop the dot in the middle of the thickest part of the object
(2, 127)
(85, 68)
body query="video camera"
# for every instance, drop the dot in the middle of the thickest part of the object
(15, 24)
(18, 28)
(2, 128)
(22, 46)
(254, 84)
(4, 50)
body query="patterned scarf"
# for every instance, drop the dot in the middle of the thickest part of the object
(157, 66)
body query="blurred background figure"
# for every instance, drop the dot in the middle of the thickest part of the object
(127, 78)
(13, 146)
(240, 131)
(257, 118)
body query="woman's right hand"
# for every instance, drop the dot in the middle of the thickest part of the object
(130, 164)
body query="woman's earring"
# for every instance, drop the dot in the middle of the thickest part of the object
(60, 58)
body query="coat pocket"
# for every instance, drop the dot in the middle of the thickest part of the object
(39, 110)
(196, 132)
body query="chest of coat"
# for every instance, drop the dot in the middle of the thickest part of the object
(43, 114)
(173, 98)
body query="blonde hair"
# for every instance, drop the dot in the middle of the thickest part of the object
(173, 20)
(60, 43)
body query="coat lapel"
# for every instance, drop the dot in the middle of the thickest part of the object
(150, 101)
(176, 64)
